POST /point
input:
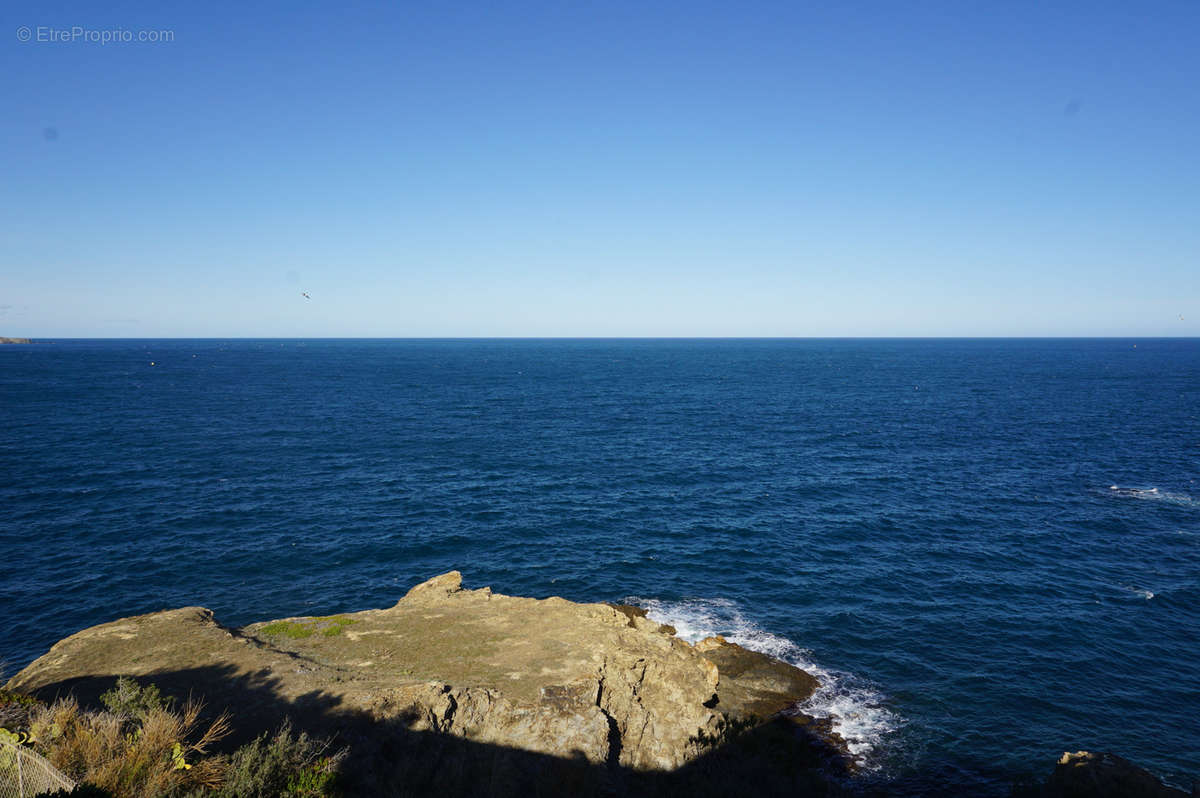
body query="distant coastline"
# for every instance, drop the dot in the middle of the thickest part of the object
(15, 341)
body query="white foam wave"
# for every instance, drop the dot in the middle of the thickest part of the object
(1147, 493)
(1154, 494)
(854, 707)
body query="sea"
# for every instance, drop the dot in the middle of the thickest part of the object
(987, 550)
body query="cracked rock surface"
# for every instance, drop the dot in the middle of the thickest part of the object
(576, 680)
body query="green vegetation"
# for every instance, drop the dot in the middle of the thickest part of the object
(130, 701)
(287, 629)
(145, 749)
(142, 746)
(284, 764)
(327, 625)
(15, 709)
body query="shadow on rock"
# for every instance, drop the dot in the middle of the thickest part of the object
(387, 757)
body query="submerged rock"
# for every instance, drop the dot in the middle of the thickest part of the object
(590, 681)
(1089, 775)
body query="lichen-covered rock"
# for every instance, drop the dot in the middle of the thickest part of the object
(549, 676)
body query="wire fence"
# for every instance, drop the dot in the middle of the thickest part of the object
(24, 774)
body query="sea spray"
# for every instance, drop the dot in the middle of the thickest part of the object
(855, 708)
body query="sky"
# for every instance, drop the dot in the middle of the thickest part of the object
(600, 169)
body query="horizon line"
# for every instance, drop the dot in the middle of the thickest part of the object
(52, 339)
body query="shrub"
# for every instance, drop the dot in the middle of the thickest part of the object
(130, 701)
(283, 764)
(145, 747)
(153, 755)
(15, 709)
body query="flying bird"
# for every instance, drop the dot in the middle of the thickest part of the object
(305, 295)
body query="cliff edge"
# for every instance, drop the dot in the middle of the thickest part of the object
(550, 676)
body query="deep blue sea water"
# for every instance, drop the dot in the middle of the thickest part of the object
(989, 549)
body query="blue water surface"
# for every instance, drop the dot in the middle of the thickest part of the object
(991, 548)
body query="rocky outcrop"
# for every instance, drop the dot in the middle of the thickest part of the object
(1089, 775)
(15, 341)
(591, 681)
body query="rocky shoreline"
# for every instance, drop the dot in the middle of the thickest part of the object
(594, 682)
(597, 695)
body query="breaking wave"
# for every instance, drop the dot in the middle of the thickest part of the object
(854, 707)
(1154, 494)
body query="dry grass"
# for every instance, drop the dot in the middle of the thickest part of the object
(157, 754)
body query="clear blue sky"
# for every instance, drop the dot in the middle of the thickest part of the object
(609, 168)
